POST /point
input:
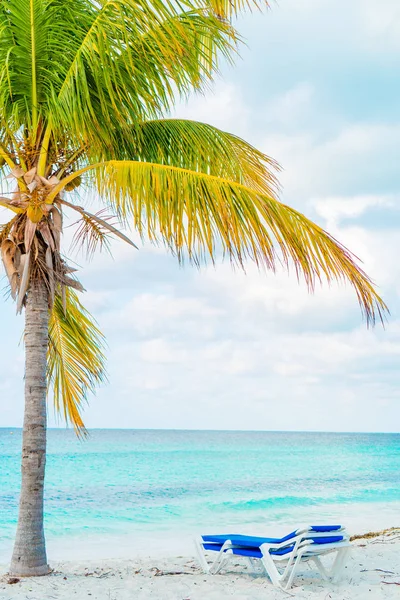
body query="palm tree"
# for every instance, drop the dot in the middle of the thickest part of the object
(85, 88)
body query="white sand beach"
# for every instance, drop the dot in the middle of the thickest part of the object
(372, 572)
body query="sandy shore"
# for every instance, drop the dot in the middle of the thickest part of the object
(373, 571)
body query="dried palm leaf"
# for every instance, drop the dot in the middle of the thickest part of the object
(56, 226)
(6, 228)
(24, 273)
(92, 235)
(57, 218)
(50, 274)
(30, 176)
(97, 224)
(52, 181)
(32, 186)
(17, 172)
(29, 234)
(8, 249)
(73, 283)
(14, 285)
(17, 257)
(46, 234)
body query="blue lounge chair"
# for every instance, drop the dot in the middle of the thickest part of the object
(279, 557)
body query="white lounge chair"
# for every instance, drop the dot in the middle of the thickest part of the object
(279, 557)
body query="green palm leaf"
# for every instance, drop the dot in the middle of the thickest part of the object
(89, 68)
(76, 362)
(107, 89)
(206, 149)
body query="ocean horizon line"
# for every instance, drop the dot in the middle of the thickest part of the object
(205, 430)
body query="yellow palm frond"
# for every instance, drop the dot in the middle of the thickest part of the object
(76, 362)
(197, 212)
(206, 149)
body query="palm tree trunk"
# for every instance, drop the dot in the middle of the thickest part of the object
(29, 557)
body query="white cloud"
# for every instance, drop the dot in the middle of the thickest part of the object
(222, 106)
(334, 209)
(318, 157)
(381, 23)
(364, 25)
(358, 157)
(149, 314)
(278, 301)
(159, 350)
(271, 345)
(290, 107)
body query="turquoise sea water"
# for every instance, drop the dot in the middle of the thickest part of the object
(125, 485)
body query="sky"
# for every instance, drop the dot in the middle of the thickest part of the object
(317, 87)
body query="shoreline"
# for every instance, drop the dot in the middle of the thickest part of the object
(138, 542)
(373, 571)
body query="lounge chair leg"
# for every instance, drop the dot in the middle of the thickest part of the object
(334, 573)
(271, 569)
(293, 572)
(339, 563)
(323, 572)
(201, 556)
(219, 564)
(255, 566)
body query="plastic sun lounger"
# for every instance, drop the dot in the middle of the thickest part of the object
(279, 557)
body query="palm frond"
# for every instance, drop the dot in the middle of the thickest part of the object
(91, 234)
(194, 212)
(76, 361)
(132, 63)
(206, 149)
(25, 63)
(94, 230)
(86, 69)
